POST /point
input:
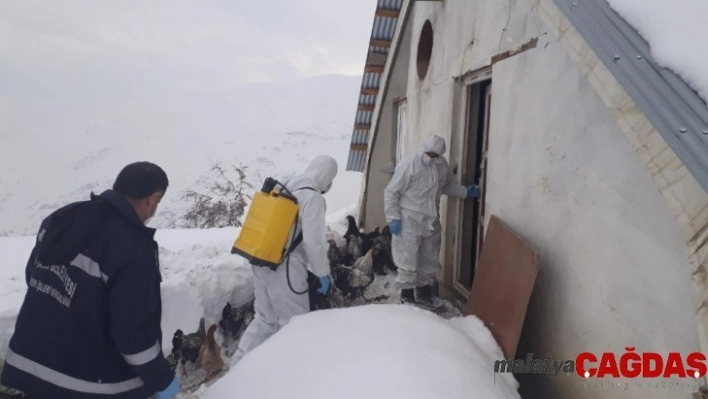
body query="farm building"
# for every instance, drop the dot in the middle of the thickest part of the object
(581, 143)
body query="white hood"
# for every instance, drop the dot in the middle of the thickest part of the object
(434, 143)
(322, 171)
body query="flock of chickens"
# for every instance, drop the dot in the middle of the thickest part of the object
(356, 258)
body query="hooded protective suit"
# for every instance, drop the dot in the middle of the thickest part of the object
(413, 197)
(275, 302)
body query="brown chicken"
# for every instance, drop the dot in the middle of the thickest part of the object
(210, 355)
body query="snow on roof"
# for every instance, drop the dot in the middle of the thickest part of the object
(655, 58)
(675, 31)
(373, 351)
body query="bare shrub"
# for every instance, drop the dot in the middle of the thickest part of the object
(223, 203)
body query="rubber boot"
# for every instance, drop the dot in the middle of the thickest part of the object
(425, 296)
(407, 295)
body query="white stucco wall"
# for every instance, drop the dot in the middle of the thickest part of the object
(563, 175)
(467, 34)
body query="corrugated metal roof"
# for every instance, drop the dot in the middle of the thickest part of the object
(382, 32)
(673, 108)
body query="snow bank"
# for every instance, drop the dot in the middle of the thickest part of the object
(373, 351)
(675, 31)
(200, 274)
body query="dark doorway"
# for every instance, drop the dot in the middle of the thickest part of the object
(478, 114)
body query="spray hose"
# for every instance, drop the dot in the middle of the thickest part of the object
(292, 240)
(287, 263)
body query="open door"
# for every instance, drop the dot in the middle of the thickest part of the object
(474, 165)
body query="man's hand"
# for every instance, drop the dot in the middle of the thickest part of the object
(324, 285)
(395, 226)
(473, 191)
(170, 392)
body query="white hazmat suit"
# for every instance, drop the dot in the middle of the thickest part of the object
(413, 198)
(275, 303)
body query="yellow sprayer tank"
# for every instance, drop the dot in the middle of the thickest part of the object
(264, 234)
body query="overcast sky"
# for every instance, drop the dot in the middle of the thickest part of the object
(86, 46)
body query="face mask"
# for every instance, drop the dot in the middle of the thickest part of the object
(329, 186)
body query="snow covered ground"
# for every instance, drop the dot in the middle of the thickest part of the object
(372, 351)
(675, 31)
(452, 357)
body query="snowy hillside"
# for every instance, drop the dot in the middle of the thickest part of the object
(67, 151)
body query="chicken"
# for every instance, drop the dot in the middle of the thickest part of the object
(360, 279)
(189, 344)
(173, 360)
(234, 321)
(345, 256)
(384, 239)
(334, 254)
(209, 358)
(340, 279)
(352, 229)
(366, 262)
(249, 315)
(369, 240)
(384, 256)
(353, 280)
(339, 240)
(174, 357)
(354, 246)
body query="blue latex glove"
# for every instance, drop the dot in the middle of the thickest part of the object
(324, 285)
(170, 392)
(473, 191)
(395, 226)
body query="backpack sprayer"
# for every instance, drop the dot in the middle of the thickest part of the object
(264, 235)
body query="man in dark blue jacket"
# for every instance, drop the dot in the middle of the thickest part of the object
(89, 326)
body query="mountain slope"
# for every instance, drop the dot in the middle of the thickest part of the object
(274, 129)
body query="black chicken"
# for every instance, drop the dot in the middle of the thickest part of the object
(384, 257)
(173, 359)
(352, 229)
(334, 254)
(235, 320)
(189, 344)
(174, 356)
(384, 239)
(368, 240)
